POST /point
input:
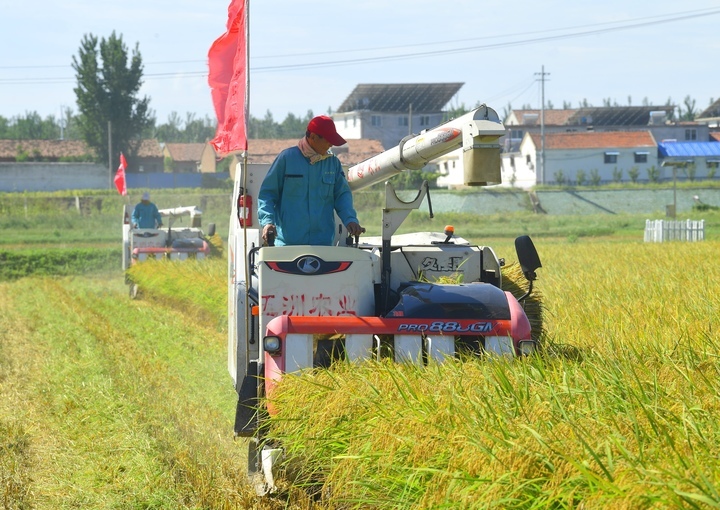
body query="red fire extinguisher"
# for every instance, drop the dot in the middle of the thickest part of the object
(244, 209)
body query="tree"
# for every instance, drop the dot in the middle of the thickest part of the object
(670, 102)
(689, 112)
(110, 94)
(29, 127)
(459, 111)
(580, 177)
(617, 174)
(265, 128)
(506, 110)
(653, 174)
(690, 171)
(294, 127)
(634, 174)
(191, 130)
(68, 125)
(171, 131)
(198, 130)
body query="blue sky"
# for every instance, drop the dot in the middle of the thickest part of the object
(310, 55)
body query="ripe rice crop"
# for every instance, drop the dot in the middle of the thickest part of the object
(617, 411)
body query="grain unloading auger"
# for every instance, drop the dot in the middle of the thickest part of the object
(293, 308)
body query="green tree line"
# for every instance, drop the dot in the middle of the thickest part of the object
(177, 129)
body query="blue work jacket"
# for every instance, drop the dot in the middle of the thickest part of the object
(146, 215)
(300, 198)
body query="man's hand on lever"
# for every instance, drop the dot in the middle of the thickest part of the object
(354, 229)
(268, 234)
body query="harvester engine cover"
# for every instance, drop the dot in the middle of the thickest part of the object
(451, 301)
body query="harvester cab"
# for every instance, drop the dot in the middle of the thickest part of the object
(417, 297)
(174, 242)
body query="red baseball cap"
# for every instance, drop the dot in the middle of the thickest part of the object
(324, 126)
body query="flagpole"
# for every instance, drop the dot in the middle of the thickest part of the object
(246, 105)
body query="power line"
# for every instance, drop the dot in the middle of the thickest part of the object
(628, 25)
(659, 18)
(698, 12)
(521, 42)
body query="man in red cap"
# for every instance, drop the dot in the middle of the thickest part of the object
(304, 188)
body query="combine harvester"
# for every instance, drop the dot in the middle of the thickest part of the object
(293, 308)
(171, 243)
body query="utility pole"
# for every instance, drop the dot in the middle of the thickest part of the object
(541, 171)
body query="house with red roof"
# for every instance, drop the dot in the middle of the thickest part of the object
(583, 158)
(190, 157)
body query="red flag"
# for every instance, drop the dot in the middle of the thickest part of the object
(228, 80)
(120, 176)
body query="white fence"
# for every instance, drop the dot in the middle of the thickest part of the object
(657, 231)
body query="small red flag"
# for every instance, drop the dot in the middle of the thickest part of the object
(228, 80)
(120, 176)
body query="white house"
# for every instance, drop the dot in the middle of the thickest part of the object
(582, 158)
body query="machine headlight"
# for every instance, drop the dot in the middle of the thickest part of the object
(527, 347)
(272, 344)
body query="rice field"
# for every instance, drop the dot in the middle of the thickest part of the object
(618, 411)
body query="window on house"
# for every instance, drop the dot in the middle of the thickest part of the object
(691, 134)
(354, 121)
(424, 120)
(611, 158)
(402, 121)
(528, 160)
(641, 157)
(512, 161)
(712, 163)
(375, 120)
(516, 133)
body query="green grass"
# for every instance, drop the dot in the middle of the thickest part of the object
(65, 261)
